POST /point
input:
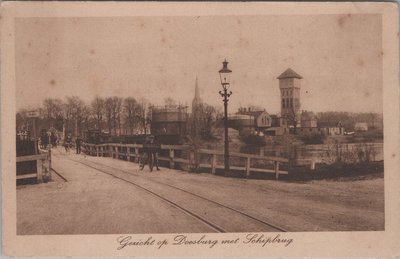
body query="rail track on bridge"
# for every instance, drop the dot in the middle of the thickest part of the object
(160, 190)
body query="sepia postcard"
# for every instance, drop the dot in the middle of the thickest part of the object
(218, 129)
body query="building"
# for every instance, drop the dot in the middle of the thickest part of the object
(196, 116)
(261, 118)
(331, 128)
(308, 119)
(243, 123)
(256, 120)
(249, 120)
(169, 123)
(197, 102)
(289, 85)
(361, 126)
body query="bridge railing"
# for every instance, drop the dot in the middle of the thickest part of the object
(188, 158)
(243, 162)
(43, 166)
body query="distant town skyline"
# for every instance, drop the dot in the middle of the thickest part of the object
(338, 56)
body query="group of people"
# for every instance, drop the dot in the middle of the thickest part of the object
(48, 137)
(149, 154)
(68, 143)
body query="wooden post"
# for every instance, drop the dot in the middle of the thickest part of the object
(97, 151)
(116, 152)
(248, 167)
(214, 163)
(49, 159)
(312, 164)
(39, 170)
(192, 160)
(171, 159)
(136, 155)
(128, 154)
(276, 167)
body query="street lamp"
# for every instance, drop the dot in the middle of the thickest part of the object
(224, 74)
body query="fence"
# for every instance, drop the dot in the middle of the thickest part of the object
(188, 158)
(43, 166)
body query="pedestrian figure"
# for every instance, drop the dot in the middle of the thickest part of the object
(78, 143)
(67, 143)
(150, 154)
(53, 139)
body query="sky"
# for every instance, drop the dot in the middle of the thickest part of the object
(339, 57)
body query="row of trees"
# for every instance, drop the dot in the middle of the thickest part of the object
(116, 115)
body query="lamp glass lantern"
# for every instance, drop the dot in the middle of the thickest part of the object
(225, 74)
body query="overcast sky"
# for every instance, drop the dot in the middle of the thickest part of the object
(339, 57)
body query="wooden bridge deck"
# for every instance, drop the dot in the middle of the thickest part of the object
(102, 195)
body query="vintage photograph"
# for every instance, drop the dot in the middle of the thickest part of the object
(199, 124)
(200, 129)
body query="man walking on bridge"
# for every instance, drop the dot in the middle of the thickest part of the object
(78, 143)
(150, 154)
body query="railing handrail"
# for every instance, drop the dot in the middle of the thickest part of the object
(113, 150)
(162, 146)
(32, 157)
(243, 155)
(201, 150)
(43, 165)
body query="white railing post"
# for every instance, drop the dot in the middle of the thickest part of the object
(171, 159)
(312, 167)
(276, 167)
(214, 163)
(39, 169)
(136, 154)
(49, 159)
(248, 167)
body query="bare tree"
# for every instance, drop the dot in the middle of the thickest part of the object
(98, 111)
(52, 112)
(113, 109)
(108, 109)
(144, 114)
(131, 111)
(202, 120)
(76, 107)
(170, 102)
(117, 105)
(372, 116)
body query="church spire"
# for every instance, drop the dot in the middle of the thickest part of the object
(197, 91)
(197, 99)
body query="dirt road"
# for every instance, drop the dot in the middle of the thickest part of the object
(93, 202)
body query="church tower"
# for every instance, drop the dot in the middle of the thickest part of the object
(196, 112)
(196, 100)
(289, 84)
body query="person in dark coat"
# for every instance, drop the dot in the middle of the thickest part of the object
(78, 144)
(67, 143)
(150, 151)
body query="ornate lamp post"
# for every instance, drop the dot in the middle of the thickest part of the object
(224, 74)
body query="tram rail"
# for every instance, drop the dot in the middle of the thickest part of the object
(216, 227)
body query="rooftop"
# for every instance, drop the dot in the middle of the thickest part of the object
(289, 73)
